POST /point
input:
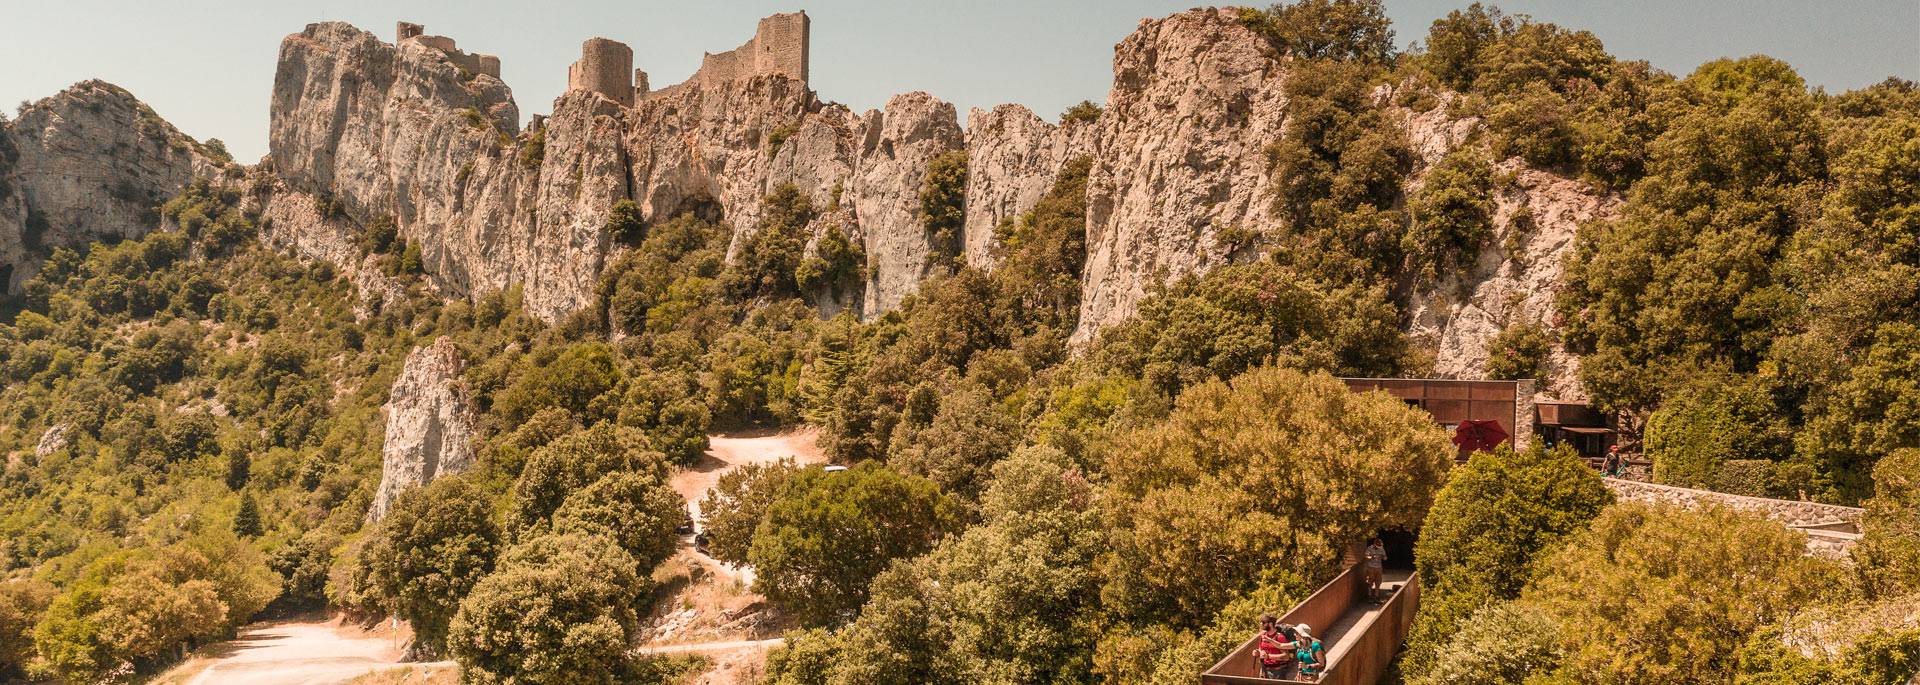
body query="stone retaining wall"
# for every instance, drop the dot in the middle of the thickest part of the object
(1788, 512)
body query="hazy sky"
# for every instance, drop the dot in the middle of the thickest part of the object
(207, 65)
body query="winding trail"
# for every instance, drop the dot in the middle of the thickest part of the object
(292, 653)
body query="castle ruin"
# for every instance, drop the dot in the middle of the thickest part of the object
(779, 46)
(476, 63)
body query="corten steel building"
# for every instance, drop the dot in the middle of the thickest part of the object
(1508, 403)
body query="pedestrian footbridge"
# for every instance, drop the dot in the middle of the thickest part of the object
(1361, 637)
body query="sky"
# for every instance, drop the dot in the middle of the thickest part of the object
(207, 65)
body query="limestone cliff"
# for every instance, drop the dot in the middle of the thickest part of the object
(404, 131)
(1196, 98)
(430, 424)
(90, 163)
(1012, 159)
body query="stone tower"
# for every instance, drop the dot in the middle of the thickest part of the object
(605, 67)
(780, 45)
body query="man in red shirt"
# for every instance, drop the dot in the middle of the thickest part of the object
(1273, 650)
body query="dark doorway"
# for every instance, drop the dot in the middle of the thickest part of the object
(1399, 548)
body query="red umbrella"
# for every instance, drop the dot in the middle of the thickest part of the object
(1475, 436)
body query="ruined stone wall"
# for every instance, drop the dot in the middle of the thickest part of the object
(476, 63)
(605, 67)
(779, 46)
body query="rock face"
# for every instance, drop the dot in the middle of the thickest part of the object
(1196, 98)
(90, 163)
(379, 130)
(1012, 159)
(430, 424)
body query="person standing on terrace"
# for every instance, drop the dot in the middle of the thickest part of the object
(1375, 566)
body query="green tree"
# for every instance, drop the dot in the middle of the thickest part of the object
(432, 548)
(624, 224)
(1709, 421)
(1889, 551)
(958, 445)
(1519, 351)
(1452, 214)
(1494, 518)
(770, 258)
(1696, 584)
(732, 509)
(559, 610)
(1875, 411)
(246, 520)
(571, 378)
(21, 604)
(836, 267)
(1352, 30)
(943, 202)
(574, 461)
(1278, 470)
(1012, 600)
(1502, 642)
(635, 510)
(828, 534)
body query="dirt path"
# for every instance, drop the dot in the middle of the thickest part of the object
(711, 646)
(726, 452)
(292, 653)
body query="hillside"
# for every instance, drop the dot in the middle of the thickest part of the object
(422, 362)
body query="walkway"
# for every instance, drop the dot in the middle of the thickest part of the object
(1361, 636)
(1342, 635)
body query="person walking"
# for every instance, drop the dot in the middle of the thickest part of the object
(1308, 653)
(1273, 650)
(1613, 465)
(1375, 567)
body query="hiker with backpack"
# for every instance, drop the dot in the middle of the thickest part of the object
(1308, 653)
(1274, 649)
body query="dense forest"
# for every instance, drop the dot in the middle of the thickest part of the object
(193, 428)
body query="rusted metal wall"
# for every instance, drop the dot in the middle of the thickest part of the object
(1320, 610)
(1367, 658)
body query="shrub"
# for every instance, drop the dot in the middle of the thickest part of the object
(1494, 518)
(1351, 30)
(778, 137)
(1083, 112)
(632, 509)
(943, 202)
(624, 224)
(559, 610)
(1519, 351)
(575, 461)
(534, 152)
(733, 508)
(432, 548)
(1452, 215)
(828, 534)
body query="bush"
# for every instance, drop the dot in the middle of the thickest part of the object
(1492, 520)
(634, 510)
(1279, 470)
(1083, 112)
(1351, 30)
(1505, 642)
(943, 203)
(1889, 551)
(1711, 420)
(733, 508)
(828, 534)
(770, 258)
(432, 548)
(1452, 215)
(534, 151)
(575, 461)
(835, 269)
(1706, 581)
(559, 610)
(1519, 351)
(624, 224)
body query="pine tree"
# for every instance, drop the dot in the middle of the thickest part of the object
(239, 467)
(246, 521)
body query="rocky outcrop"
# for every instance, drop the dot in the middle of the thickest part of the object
(896, 147)
(430, 424)
(1515, 278)
(1196, 98)
(90, 163)
(1012, 159)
